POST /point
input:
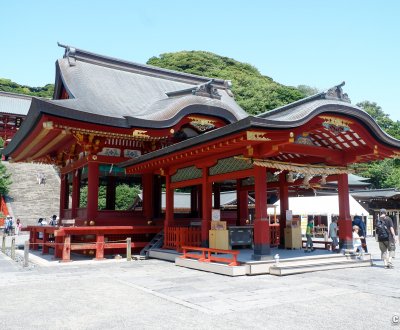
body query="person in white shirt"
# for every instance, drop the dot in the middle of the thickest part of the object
(333, 228)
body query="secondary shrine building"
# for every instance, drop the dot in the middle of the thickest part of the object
(114, 122)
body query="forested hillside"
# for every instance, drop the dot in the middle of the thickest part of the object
(6, 85)
(256, 93)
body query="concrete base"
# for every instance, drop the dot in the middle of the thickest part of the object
(306, 266)
(162, 254)
(211, 267)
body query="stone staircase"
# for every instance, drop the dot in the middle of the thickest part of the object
(28, 200)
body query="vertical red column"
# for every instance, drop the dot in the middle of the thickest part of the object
(93, 190)
(284, 205)
(147, 182)
(194, 198)
(344, 223)
(206, 206)
(262, 238)
(169, 204)
(63, 194)
(111, 193)
(76, 182)
(217, 195)
(242, 204)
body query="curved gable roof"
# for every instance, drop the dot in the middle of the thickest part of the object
(106, 86)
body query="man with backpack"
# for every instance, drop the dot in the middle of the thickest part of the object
(386, 238)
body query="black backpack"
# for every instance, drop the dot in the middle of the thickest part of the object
(381, 230)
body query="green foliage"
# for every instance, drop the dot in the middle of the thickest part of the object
(308, 90)
(375, 111)
(5, 180)
(385, 173)
(125, 195)
(254, 92)
(6, 85)
(1, 143)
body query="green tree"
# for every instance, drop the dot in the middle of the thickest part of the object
(5, 180)
(6, 85)
(308, 90)
(375, 111)
(254, 92)
(124, 196)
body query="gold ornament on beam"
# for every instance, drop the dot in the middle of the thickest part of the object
(299, 168)
(140, 134)
(257, 136)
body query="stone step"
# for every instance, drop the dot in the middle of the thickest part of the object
(298, 267)
(29, 200)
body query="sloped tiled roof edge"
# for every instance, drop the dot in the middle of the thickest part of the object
(259, 122)
(83, 55)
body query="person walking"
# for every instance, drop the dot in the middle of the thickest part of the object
(333, 235)
(18, 227)
(309, 232)
(386, 238)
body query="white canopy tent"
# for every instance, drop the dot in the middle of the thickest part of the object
(320, 205)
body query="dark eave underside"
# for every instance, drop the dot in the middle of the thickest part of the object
(257, 122)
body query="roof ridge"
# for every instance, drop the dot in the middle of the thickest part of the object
(73, 53)
(16, 95)
(333, 93)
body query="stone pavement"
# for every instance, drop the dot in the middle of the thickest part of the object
(154, 294)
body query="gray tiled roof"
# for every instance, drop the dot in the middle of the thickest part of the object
(16, 104)
(376, 193)
(115, 88)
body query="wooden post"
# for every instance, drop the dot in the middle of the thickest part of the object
(169, 203)
(242, 204)
(76, 182)
(66, 252)
(3, 245)
(344, 223)
(99, 247)
(262, 239)
(26, 254)
(128, 249)
(284, 205)
(148, 196)
(13, 248)
(45, 248)
(93, 189)
(206, 206)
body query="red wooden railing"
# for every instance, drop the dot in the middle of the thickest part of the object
(206, 255)
(177, 237)
(89, 238)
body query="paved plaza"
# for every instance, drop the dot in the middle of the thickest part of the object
(154, 294)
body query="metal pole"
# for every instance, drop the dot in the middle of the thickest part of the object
(13, 248)
(26, 254)
(128, 249)
(3, 245)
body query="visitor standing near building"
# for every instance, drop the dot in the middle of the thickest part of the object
(18, 227)
(362, 232)
(8, 226)
(357, 240)
(309, 232)
(386, 238)
(333, 235)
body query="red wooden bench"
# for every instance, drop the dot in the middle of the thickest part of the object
(206, 255)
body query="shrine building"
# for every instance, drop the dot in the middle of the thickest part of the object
(113, 122)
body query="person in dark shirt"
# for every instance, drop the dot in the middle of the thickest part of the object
(362, 232)
(388, 247)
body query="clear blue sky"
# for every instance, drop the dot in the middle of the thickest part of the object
(312, 42)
